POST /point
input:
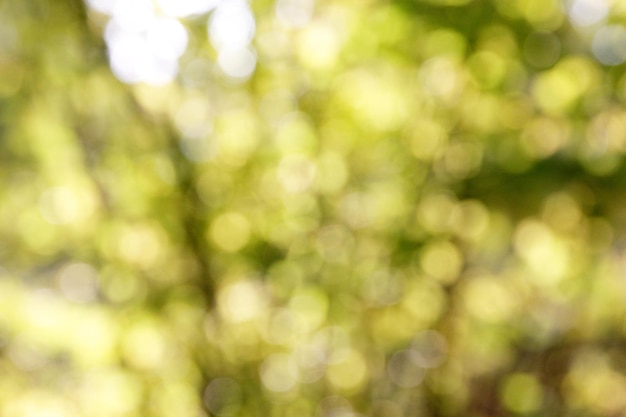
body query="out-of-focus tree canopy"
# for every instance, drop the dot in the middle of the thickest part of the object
(312, 208)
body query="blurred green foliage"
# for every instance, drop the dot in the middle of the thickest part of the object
(408, 208)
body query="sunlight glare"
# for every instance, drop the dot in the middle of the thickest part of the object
(588, 12)
(145, 39)
(231, 25)
(132, 62)
(185, 8)
(134, 15)
(167, 38)
(103, 6)
(150, 56)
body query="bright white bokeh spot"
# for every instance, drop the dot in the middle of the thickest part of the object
(608, 45)
(167, 38)
(231, 25)
(185, 8)
(127, 54)
(588, 12)
(132, 63)
(134, 15)
(103, 6)
(294, 13)
(145, 39)
(237, 63)
(133, 59)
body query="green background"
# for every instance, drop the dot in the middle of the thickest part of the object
(411, 208)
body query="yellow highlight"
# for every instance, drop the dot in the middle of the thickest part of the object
(176, 398)
(489, 299)
(296, 173)
(445, 42)
(543, 14)
(309, 307)
(144, 345)
(487, 68)
(427, 139)
(557, 90)
(350, 374)
(462, 159)
(295, 134)
(192, 114)
(237, 136)
(593, 384)
(279, 373)
(332, 173)
(543, 136)
(156, 99)
(93, 339)
(319, 46)
(37, 234)
(562, 212)
(425, 301)
(395, 326)
(67, 204)
(109, 393)
(39, 403)
(230, 231)
(242, 301)
(141, 245)
(442, 261)
(543, 252)
(442, 79)
(470, 220)
(434, 212)
(376, 97)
